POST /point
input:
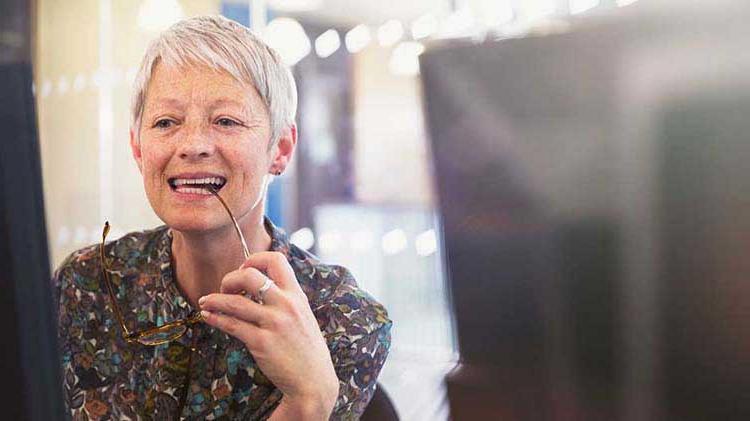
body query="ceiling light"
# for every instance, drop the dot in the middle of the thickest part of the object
(394, 241)
(329, 242)
(424, 26)
(62, 85)
(327, 43)
(288, 38)
(361, 240)
(390, 33)
(80, 235)
(79, 82)
(580, 6)
(46, 88)
(426, 243)
(405, 58)
(458, 24)
(357, 38)
(302, 238)
(63, 236)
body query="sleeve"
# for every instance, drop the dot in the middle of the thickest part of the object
(358, 333)
(358, 366)
(56, 286)
(69, 321)
(60, 281)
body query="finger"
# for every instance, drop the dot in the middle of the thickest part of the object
(249, 280)
(276, 266)
(241, 330)
(233, 305)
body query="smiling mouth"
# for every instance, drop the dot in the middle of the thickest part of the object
(197, 185)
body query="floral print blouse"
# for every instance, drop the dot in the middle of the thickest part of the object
(205, 374)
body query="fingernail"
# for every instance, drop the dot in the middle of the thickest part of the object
(201, 300)
(205, 314)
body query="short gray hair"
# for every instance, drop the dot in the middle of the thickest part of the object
(222, 44)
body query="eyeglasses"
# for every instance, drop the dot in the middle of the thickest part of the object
(169, 331)
(149, 337)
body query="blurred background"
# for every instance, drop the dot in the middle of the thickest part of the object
(556, 188)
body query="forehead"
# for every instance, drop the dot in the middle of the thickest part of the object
(174, 85)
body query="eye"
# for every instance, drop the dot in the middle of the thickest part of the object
(227, 122)
(164, 123)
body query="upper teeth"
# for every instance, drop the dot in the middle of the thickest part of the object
(209, 180)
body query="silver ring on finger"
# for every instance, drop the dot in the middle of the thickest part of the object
(263, 289)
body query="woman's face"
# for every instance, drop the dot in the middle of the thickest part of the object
(200, 125)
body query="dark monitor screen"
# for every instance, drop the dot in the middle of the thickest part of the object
(30, 386)
(594, 187)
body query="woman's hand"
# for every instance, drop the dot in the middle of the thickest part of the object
(281, 334)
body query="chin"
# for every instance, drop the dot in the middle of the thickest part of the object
(197, 213)
(191, 220)
(191, 226)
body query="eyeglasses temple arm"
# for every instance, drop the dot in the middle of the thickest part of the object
(245, 250)
(111, 292)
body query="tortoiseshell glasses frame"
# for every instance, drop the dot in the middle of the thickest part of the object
(170, 331)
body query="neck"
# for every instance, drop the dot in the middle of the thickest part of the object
(202, 259)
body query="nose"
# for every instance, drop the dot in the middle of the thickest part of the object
(196, 145)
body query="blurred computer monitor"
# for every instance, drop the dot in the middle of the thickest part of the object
(30, 386)
(594, 184)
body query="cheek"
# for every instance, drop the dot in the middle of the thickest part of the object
(153, 162)
(250, 163)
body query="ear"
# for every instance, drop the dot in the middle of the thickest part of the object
(284, 149)
(135, 148)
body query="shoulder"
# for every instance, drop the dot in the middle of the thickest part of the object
(339, 304)
(82, 268)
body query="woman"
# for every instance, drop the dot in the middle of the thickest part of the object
(179, 322)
